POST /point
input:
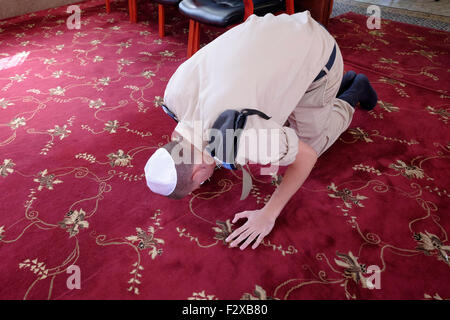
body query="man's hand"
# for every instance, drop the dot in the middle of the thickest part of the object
(259, 224)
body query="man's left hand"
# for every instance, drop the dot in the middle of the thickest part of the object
(259, 224)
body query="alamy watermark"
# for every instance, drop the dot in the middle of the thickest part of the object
(374, 20)
(374, 280)
(74, 20)
(74, 280)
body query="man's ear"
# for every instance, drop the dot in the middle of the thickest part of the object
(199, 174)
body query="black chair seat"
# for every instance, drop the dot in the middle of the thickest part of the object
(168, 2)
(223, 13)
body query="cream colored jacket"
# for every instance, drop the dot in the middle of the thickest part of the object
(266, 63)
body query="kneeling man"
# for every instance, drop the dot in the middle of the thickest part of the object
(276, 79)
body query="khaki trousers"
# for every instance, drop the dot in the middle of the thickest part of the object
(320, 117)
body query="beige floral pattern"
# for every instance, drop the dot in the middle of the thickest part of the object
(223, 230)
(167, 53)
(119, 158)
(6, 168)
(258, 294)
(436, 296)
(158, 101)
(18, 77)
(360, 134)
(17, 122)
(202, 296)
(352, 268)
(147, 240)
(74, 221)
(96, 104)
(111, 126)
(5, 103)
(389, 107)
(60, 132)
(346, 195)
(135, 279)
(430, 244)
(148, 74)
(408, 171)
(38, 268)
(46, 180)
(104, 81)
(58, 91)
(443, 113)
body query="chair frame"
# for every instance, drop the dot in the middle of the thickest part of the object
(132, 8)
(194, 26)
(161, 20)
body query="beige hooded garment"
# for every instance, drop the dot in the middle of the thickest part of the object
(266, 63)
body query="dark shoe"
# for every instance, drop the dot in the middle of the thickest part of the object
(347, 81)
(360, 91)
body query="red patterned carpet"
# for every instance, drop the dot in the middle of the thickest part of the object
(79, 117)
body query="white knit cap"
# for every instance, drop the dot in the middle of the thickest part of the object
(160, 172)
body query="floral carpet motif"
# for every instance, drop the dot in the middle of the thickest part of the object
(80, 115)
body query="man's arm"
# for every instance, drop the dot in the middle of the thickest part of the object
(260, 222)
(293, 179)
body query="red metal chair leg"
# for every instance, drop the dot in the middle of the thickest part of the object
(196, 45)
(108, 6)
(290, 8)
(161, 20)
(130, 9)
(248, 8)
(193, 38)
(190, 38)
(132, 6)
